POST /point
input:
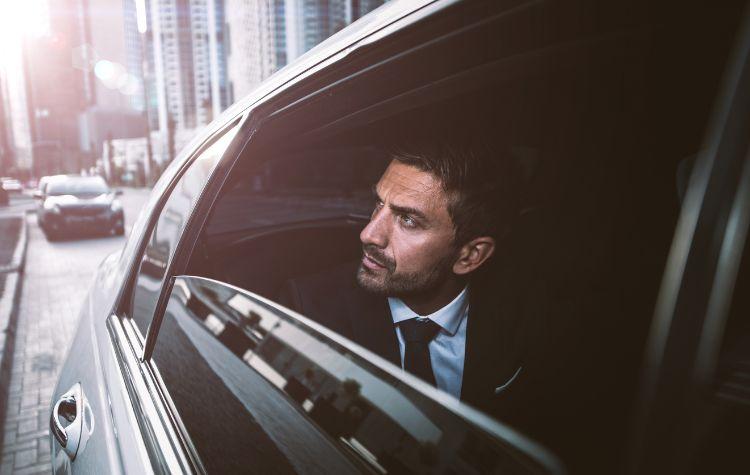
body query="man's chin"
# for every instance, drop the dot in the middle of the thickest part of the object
(369, 281)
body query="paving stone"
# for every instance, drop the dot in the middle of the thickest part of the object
(24, 414)
(56, 279)
(42, 468)
(6, 465)
(43, 418)
(33, 435)
(24, 458)
(43, 446)
(9, 437)
(19, 446)
(27, 425)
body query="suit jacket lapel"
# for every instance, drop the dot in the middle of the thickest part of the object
(494, 345)
(479, 354)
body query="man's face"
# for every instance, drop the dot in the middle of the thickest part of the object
(408, 246)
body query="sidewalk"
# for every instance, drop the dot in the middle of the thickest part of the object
(13, 239)
(17, 206)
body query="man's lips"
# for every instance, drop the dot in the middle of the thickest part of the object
(371, 263)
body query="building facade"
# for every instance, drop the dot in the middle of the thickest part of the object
(46, 95)
(264, 35)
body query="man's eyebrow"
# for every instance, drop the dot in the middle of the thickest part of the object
(399, 209)
(407, 210)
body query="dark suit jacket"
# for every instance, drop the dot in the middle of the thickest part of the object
(516, 367)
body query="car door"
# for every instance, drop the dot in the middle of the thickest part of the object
(255, 388)
(103, 418)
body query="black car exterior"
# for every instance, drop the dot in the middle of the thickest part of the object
(78, 203)
(630, 135)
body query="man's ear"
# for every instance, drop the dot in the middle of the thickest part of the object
(473, 254)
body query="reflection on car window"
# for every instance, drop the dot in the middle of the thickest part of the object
(172, 220)
(226, 359)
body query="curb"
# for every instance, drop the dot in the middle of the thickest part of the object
(19, 254)
(9, 315)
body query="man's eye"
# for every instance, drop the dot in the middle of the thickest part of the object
(378, 205)
(407, 221)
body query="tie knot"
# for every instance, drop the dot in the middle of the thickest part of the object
(419, 329)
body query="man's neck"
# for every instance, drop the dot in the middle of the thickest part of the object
(430, 302)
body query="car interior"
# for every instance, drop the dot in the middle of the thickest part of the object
(596, 195)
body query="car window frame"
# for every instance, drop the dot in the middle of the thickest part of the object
(294, 102)
(164, 444)
(125, 299)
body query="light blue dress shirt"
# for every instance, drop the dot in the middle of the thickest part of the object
(448, 348)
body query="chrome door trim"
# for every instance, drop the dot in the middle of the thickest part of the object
(230, 154)
(182, 432)
(162, 445)
(126, 288)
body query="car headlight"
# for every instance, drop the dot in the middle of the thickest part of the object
(116, 206)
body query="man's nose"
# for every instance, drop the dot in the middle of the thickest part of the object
(376, 231)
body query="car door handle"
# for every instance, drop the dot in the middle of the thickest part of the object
(73, 407)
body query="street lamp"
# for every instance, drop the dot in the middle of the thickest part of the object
(140, 14)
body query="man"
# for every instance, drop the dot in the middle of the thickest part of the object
(415, 255)
(421, 293)
(449, 288)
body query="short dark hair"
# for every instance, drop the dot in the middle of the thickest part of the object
(478, 180)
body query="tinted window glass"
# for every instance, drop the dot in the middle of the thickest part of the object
(82, 186)
(260, 392)
(267, 221)
(164, 237)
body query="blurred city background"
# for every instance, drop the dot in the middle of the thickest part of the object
(112, 88)
(117, 87)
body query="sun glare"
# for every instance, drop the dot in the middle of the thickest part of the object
(19, 20)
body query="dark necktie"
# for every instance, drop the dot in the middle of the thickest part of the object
(418, 333)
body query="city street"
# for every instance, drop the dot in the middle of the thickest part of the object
(57, 276)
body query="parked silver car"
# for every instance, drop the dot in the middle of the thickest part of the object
(631, 199)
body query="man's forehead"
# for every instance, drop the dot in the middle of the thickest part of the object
(408, 180)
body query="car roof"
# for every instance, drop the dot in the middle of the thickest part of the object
(80, 178)
(346, 38)
(330, 51)
(47, 178)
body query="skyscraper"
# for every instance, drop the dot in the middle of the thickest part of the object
(253, 52)
(217, 44)
(111, 55)
(46, 95)
(308, 22)
(181, 57)
(265, 34)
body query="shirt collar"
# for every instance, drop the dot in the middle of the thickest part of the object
(448, 317)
